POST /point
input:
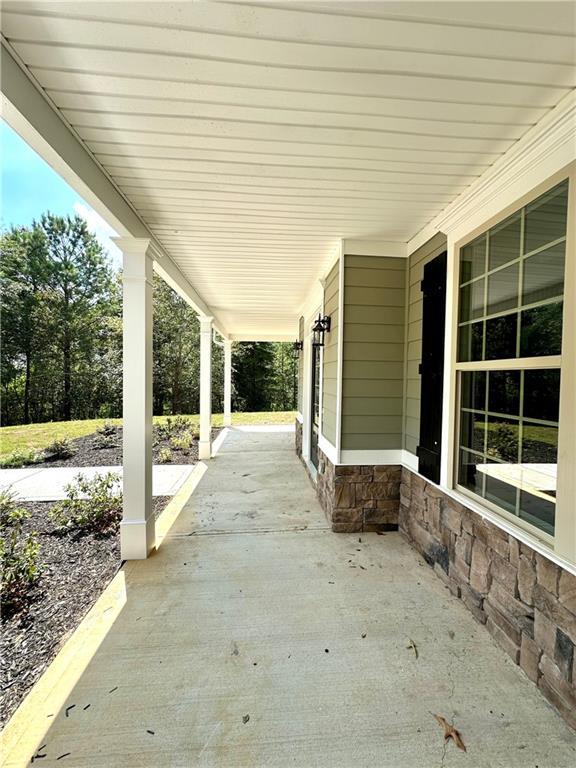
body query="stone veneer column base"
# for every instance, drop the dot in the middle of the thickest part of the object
(298, 438)
(359, 498)
(525, 601)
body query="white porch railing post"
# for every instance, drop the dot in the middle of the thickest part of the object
(227, 383)
(205, 445)
(137, 534)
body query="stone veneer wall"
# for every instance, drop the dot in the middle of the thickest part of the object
(527, 603)
(298, 439)
(359, 498)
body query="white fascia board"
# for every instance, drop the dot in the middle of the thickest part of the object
(29, 112)
(374, 248)
(544, 150)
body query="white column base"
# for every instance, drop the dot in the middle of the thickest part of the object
(227, 421)
(137, 538)
(204, 449)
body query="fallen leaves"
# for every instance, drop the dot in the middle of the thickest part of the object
(450, 732)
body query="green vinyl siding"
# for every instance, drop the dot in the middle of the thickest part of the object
(416, 264)
(373, 352)
(330, 355)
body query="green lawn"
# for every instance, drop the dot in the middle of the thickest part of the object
(38, 436)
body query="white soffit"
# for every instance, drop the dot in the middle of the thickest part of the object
(252, 138)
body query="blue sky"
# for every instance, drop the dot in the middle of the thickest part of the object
(30, 188)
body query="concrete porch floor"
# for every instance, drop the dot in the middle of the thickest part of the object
(252, 607)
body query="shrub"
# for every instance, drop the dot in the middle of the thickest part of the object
(107, 429)
(503, 442)
(102, 441)
(59, 449)
(182, 443)
(91, 504)
(20, 458)
(165, 455)
(19, 553)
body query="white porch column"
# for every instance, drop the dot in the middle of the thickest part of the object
(205, 445)
(227, 383)
(137, 534)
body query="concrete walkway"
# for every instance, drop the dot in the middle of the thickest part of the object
(256, 637)
(49, 483)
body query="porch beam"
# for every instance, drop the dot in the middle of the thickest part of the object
(137, 531)
(205, 444)
(227, 383)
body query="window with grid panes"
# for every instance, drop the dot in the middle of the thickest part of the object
(511, 288)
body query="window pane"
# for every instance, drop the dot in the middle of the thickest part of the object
(538, 510)
(472, 300)
(542, 394)
(473, 259)
(504, 392)
(473, 431)
(541, 331)
(501, 337)
(504, 242)
(500, 488)
(468, 475)
(546, 218)
(544, 275)
(470, 342)
(474, 390)
(539, 444)
(503, 439)
(503, 290)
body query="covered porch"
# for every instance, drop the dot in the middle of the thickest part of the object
(255, 637)
(393, 187)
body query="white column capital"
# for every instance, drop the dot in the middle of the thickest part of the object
(206, 322)
(137, 246)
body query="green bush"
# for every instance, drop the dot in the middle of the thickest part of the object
(164, 455)
(20, 458)
(107, 429)
(91, 504)
(19, 553)
(102, 441)
(59, 449)
(182, 443)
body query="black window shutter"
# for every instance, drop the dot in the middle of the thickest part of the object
(432, 367)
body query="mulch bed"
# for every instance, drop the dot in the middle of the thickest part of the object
(75, 570)
(88, 451)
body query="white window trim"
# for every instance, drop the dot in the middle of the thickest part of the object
(563, 544)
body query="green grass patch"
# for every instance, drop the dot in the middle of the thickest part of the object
(39, 436)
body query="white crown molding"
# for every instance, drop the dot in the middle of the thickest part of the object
(546, 148)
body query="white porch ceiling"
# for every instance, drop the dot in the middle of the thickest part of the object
(251, 138)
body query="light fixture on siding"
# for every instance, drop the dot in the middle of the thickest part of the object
(320, 327)
(297, 347)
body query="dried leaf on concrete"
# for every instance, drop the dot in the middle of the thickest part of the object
(451, 733)
(413, 646)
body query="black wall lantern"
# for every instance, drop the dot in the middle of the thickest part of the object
(320, 327)
(297, 347)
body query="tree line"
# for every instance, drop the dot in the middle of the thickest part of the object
(61, 336)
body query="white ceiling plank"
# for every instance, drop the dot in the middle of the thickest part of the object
(84, 83)
(300, 23)
(311, 133)
(297, 118)
(445, 88)
(201, 45)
